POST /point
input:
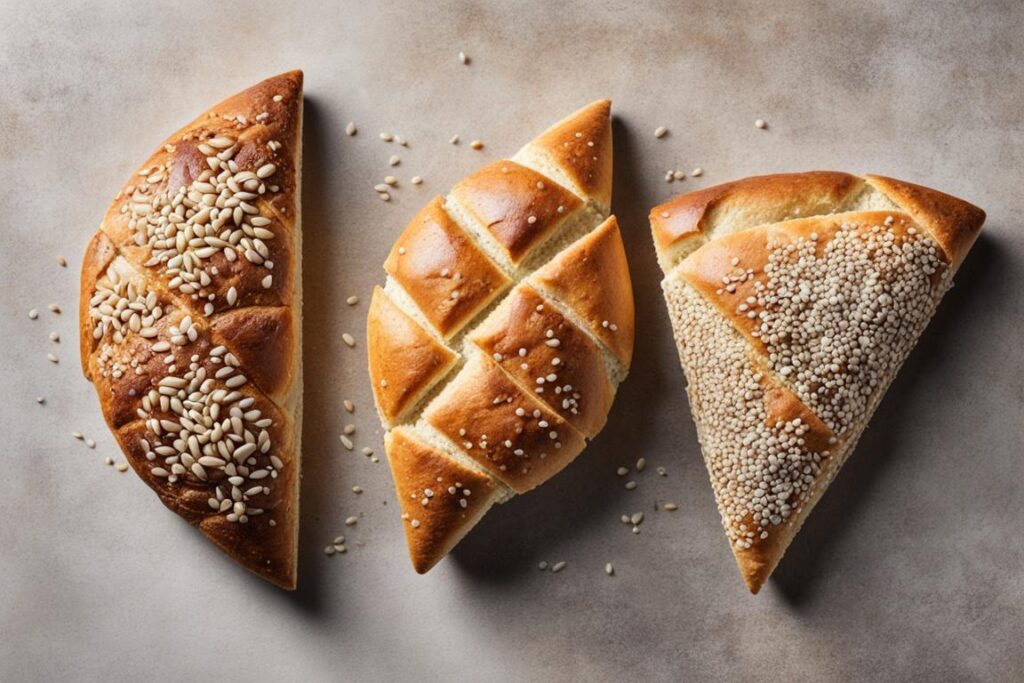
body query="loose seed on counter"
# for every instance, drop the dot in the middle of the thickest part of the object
(624, 519)
(52, 358)
(349, 340)
(697, 172)
(463, 58)
(761, 123)
(347, 442)
(416, 180)
(108, 461)
(660, 132)
(395, 160)
(357, 489)
(630, 485)
(454, 140)
(62, 261)
(671, 507)
(387, 137)
(641, 464)
(351, 129)
(542, 566)
(54, 308)
(391, 180)
(350, 429)
(637, 518)
(90, 443)
(559, 566)
(662, 472)
(40, 400)
(622, 471)
(351, 521)
(609, 569)
(33, 314)
(352, 301)
(477, 145)
(349, 406)
(122, 467)
(54, 337)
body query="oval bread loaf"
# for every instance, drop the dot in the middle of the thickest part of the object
(190, 319)
(504, 328)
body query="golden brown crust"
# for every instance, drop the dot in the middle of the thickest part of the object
(509, 432)
(405, 359)
(592, 279)
(521, 336)
(952, 222)
(515, 419)
(441, 499)
(580, 146)
(683, 223)
(517, 205)
(232, 321)
(443, 270)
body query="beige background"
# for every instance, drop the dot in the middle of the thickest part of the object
(911, 569)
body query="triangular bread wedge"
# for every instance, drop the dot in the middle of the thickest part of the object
(190, 322)
(501, 335)
(794, 301)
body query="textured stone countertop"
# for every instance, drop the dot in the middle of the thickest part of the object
(912, 567)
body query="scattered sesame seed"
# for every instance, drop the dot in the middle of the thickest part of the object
(609, 569)
(384, 196)
(697, 172)
(416, 180)
(338, 540)
(641, 464)
(630, 485)
(367, 451)
(62, 261)
(395, 160)
(54, 337)
(357, 489)
(542, 565)
(348, 339)
(463, 58)
(387, 137)
(760, 123)
(352, 300)
(349, 406)
(350, 429)
(662, 472)
(108, 460)
(660, 132)
(329, 550)
(636, 519)
(454, 140)
(624, 519)
(78, 435)
(381, 187)
(351, 129)
(559, 566)
(54, 308)
(678, 175)
(90, 443)
(40, 400)
(351, 521)
(391, 180)
(622, 471)
(347, 442)
(33, 314)
(671, 507)
(477, 145)
(52, 358)
(122, 467)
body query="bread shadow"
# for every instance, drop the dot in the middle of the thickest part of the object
(531, 527)
(798, 573)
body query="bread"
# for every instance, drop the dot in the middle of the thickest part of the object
(503, 331)
(794, 301)
(190, 323)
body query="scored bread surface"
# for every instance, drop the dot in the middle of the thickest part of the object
(190, 323)
(502, 332)
(794, 301)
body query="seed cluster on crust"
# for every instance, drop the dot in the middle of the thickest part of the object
(837, 318)
(837, 326)
(202, 430)
(216, 213)
(761, 470)
(120, 306)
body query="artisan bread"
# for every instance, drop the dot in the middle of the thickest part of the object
(190, 322)
(794, 301)
(502, 332)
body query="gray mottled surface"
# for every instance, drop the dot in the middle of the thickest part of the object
(911, 568)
